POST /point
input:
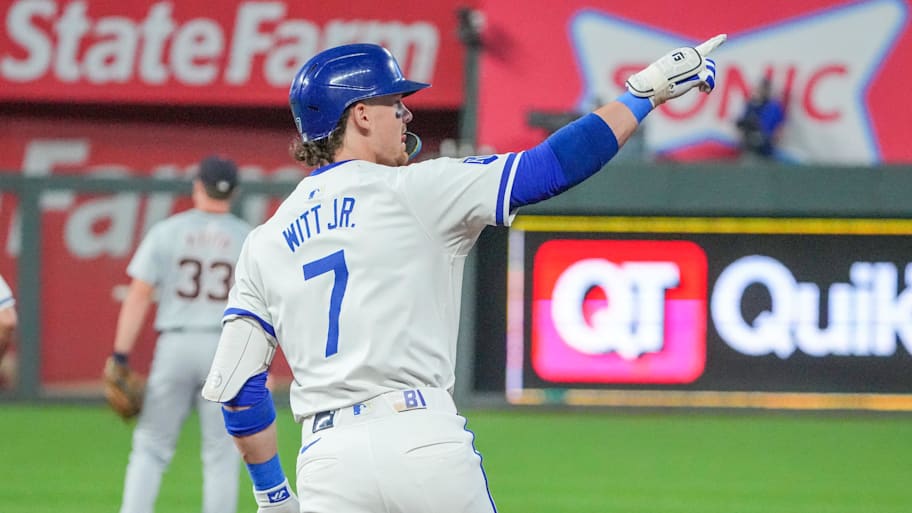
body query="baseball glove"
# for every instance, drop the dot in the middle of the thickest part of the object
(123, 388)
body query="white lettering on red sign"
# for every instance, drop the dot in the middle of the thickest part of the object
(119, 214)
(865, 316)
(63, 40)
(631, 323)
(820, 76)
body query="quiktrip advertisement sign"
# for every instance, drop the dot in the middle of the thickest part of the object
(586, 291)
(733, 312)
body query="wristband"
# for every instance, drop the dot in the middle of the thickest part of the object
(640, 107)
(274, 495)
(266, 475)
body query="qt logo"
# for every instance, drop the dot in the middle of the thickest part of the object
(607, 311)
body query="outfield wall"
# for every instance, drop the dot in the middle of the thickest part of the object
(762, 287)
(846, 228)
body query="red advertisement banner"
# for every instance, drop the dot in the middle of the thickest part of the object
(834, 64)
(88, 239)
(243, 52)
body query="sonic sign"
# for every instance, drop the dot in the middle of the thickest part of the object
(768, 313)
(840, 107)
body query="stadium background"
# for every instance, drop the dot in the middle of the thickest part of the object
(106, 106)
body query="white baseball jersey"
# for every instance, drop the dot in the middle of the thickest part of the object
(6, 295)
(358, 275)
(190, 258)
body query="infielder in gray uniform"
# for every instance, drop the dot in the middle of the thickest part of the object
(8, 322)
(358, 276)
(188, 259)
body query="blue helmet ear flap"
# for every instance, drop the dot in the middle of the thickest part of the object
(334, 79)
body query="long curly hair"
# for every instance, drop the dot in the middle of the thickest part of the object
(321, 152)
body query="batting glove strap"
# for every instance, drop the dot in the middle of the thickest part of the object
(277, 498)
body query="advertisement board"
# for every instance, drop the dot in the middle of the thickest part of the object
(734, 312)
(832, 63)
(88, 239)
(243, 52)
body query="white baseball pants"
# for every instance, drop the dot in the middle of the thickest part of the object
(406, 451)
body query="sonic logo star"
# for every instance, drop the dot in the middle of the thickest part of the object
(822, 72)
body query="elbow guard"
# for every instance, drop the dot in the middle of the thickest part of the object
(244, 351)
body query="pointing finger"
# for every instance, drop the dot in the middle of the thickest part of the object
(709, 45)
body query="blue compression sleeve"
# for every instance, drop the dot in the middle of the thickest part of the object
(538, 176)
(252, 420)
(266, 475)
(253, 391)
(566, 158)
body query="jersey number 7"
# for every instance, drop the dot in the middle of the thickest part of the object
(335, 263)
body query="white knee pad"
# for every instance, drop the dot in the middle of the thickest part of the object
(244, 350)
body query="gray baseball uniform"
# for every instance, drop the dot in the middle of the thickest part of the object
(6, 295)
(190, 258)
(7, 324)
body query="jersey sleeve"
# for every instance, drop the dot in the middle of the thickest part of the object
(149, 261)
(456, 198)
(246, 298)
(6, 295)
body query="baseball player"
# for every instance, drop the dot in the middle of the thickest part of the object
(189, 260)
(8, 317)
(358, 275)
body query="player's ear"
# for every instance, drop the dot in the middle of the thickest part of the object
(361, 115)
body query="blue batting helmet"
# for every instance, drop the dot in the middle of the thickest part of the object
(336, 78)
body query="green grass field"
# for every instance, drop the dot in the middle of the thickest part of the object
(68, 459)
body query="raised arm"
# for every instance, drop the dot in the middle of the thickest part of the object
(580, 149)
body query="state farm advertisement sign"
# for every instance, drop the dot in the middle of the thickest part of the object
(793, 311)
(833, 64)
(229, 52)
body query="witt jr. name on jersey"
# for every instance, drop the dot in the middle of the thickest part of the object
(329, 215)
